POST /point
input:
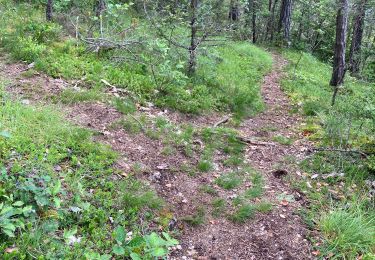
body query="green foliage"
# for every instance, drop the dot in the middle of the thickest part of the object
(12, 215)
(282, 140)
(125, 106)
(349, 124)
(63, 189)
(204, 166)
(208, 189)
(235, 75)
(150, 246)
(229, 181)
(196, 219)
(349, 233)
(218, 206)
(243, 213)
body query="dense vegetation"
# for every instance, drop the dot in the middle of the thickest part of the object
(341, 182)
(62, 196)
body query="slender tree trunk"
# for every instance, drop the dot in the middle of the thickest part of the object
(254, 19)
(100, 7)
(268, 27)
(338, 72)
(193, 38)
(300, 26)
(234, 11)
(272, 26)
(49, 10)
(285, 19)
(356, 44)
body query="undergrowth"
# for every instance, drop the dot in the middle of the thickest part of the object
(60, 196)
(338, 184)
(228, 77)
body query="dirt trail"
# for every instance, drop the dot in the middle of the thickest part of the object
(281, 233)
(278, 234)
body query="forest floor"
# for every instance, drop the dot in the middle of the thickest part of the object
(197, 205)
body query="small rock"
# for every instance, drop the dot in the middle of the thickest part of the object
(162, 167)
(145, 109)
(233, 196)
(156, 175)
(168, 185)
(179, 247)
(57, 168)
(282, 216)
(25, 102)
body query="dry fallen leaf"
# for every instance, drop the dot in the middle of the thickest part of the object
(316, 253)
(10, 250)
(282, 216)
(284, 203)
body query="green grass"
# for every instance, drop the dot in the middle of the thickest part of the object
(196, 219)
(238, 72)
(218, 206)
(282, 140)
(243, 213)
(348, 232)
(229, 181)
(125, 105)
(69, 183)
(208, 189)
(228, 77)
(69, 96)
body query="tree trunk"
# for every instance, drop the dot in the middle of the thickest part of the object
(356, 44)
(234, 11)
(49, 10)
(285, 18)
(193, 41)
(268, 27)
(254, 19)
(272, 20)
(338, 72)
(100, 7)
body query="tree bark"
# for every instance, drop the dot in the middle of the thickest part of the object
(338, 72)
(285, 19)
(268, 26)
(254, 19)
(100, 7)
(272, 20)
(193, 38)
(234, 11)
(356, 44)
(49, 10)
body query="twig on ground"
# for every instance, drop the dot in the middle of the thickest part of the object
(253, 141)
(324, 149)
(222, 121)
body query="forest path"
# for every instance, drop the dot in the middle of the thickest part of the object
(278, 234)
(281, 233)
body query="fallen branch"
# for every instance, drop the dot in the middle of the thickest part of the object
(323, 149)
(222, 121)
(253, 141)
(116, 89)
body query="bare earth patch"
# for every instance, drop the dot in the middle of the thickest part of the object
(278, 234)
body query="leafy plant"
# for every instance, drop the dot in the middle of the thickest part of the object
(12, 214)
(150, 246)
